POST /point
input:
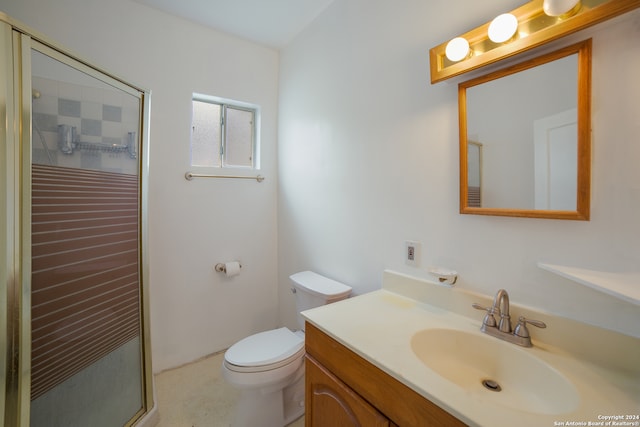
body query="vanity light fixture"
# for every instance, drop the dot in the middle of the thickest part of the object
(534, 28)
(457, 49)
(561, 8)
(503, 28)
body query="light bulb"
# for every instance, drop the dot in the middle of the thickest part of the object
(457, 49)
(560, 7)
(502, 28)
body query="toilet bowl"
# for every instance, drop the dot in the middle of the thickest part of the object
(262, 366)
(268, 367)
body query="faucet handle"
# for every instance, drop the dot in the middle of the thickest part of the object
(488, 320)
(521, 328)
(491, 310)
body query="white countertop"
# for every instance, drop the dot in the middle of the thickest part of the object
(378, 326)
(620, 285)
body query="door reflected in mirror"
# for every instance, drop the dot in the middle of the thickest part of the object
(525, 138)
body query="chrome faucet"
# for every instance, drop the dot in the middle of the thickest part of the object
(502, 328)
(501, 300)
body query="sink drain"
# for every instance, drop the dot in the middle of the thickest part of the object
(491, 385)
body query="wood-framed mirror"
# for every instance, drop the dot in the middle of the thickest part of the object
(532, 121)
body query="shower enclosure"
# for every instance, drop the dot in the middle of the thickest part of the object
(73, 293)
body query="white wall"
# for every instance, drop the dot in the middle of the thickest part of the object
(192, 225)
(368, 155)
(368, 158)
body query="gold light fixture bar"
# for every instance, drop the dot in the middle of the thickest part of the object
(534, 29)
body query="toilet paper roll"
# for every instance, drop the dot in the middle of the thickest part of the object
(231, 268)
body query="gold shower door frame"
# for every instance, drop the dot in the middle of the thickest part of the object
(16, 44)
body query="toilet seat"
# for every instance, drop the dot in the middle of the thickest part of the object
(265, 351)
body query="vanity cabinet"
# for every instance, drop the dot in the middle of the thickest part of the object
(343, 389)
(332, 403)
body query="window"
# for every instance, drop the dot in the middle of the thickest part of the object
(224, 133)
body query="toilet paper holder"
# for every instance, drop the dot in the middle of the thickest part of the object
(221, 268)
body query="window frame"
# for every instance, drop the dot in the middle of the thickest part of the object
(225, 103)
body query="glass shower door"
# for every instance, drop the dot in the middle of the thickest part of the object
(87, 340)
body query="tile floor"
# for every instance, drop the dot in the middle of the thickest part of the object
(196, 395)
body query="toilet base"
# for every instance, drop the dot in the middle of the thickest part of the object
(271, 408)
(293, 398)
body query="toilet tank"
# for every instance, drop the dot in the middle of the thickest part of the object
(313, 290)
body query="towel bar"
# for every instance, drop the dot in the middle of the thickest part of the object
(190, 175)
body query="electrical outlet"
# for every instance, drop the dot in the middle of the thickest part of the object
(412, 253)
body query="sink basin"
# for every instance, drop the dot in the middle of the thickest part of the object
(526, 382)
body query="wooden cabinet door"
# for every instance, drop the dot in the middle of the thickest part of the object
(331, 403)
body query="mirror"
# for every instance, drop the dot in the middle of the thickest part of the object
(525, 138)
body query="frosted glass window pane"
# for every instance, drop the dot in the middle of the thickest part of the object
(205, 137)
(239, 138)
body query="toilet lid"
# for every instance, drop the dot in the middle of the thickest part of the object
(264, 348)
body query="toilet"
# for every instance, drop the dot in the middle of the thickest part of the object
(268, 367)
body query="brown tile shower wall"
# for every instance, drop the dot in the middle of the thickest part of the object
(85, 275)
